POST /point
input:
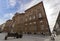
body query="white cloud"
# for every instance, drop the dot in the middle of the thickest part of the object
(2, 21)
(12, 3)
(28, 5)
(32, 3)
(21, 9)
(9, 15)
(6, 17)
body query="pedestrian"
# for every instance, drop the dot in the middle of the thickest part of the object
(53, 36)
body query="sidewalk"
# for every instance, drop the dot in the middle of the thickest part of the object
(57, 38)
(29, 38)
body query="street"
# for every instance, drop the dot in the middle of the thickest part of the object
(28, 38)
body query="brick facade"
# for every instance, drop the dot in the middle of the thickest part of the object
(36, 20)
(18, 21)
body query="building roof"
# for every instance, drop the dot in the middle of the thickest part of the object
(34, 6)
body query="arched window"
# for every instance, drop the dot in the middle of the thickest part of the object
(30, 23)
(34, 22)
(42, 27)
(13, 25)
(30, 17)
(41, 21)
(26, 19)
(34, 17)
(40, 16)
(26, 24)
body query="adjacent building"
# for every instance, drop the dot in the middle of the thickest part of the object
(57, 25)
(8, 26)
(18, 22)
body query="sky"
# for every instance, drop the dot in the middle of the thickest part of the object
(9, 7)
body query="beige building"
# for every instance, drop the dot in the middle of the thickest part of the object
(2, 27)
(36, 20)
(18, 22)
(57, 25)
(8, 26)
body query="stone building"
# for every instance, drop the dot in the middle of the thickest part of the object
(0, 28)
(57, 25)
(8, 26)
(18, 22)
(36, 20)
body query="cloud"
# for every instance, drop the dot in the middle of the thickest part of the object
(6, 17)
(23, 6)
(21, 9)
(12, 3)
(8, 9)
(2, 21)
(32, 3)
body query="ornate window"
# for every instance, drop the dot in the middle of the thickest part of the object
(13, 25)
(33, 17)
(26, 19)
(30, 18)
(26, 24)
(40, 15)
(41, 21)
(34, 22)
(42, 27)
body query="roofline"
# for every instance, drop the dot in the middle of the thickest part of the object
(34, 5)
(17, 14)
